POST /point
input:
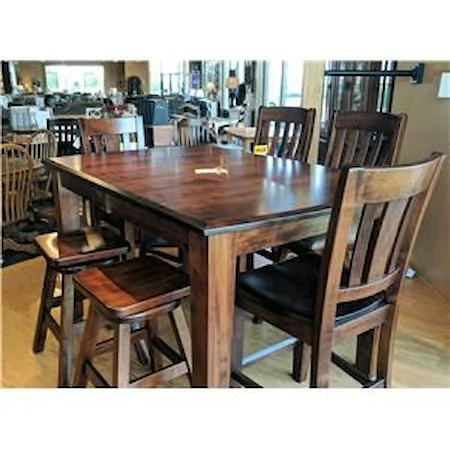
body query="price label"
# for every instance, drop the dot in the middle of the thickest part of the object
(260, 149)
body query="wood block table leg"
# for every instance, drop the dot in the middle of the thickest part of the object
(213, 274)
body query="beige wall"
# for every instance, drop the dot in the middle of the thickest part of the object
(312, 98)
(27, 70)
(428, 130)
(139, 69)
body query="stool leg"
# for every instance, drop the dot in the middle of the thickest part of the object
(66, 332)
(87, 347)
(45, 306)
(155, 357)
(182, 334)
(301, 362)
(121, 368)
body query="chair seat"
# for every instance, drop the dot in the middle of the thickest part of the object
(80, 247)
(131, 287)
(290, 287)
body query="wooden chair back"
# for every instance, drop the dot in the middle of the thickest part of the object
(17, 172)
(193, 131)
(42, 145)
(112, 135)
(67, 134)
(293, 131)
(388, 205)
(365, 138)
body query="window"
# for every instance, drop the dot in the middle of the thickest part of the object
(274, 79)
(167, 77)
(86, 79)
(292, 89)
(283, 85)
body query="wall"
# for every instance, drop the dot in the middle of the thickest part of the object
(139, 69)
(312, 98)
(114, 71)
(428, 130)
(27, 70)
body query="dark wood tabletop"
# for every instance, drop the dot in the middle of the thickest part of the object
(249, 189)
(249, 203)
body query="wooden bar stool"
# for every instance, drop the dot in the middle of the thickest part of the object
(66, 254)
(123, 294)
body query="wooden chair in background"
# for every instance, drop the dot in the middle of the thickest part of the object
(67, 134)
(17, 176)
(42, 146)
(193, 131)
(112, 135)
(368, 139)
(324, 300)
(293, 128)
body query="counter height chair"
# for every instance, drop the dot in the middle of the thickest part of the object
(66, 254)
(322, 300)
(124, 294)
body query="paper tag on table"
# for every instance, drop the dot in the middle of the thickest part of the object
(260, 149)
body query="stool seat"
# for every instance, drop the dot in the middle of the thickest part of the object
(83, 246)
(122, 295)
(132, 287)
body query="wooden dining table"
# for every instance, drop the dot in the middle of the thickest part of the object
(216, 205)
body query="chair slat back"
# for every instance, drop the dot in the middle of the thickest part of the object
(365, 138)
(112, 135)
(17, 172)
(389, 204)
(293, 128)
(42, 145)
(67, 135)
(193, 131)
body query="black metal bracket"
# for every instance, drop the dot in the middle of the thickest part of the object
(416, 73)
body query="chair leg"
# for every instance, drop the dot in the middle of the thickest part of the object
(48, 290)
(87, 347)
(321, 362)
(156, 361)
(238, 340)
(182, 334)
(66, 332)
(301, 361)
(122, 344)
(366, 353)
(384, 366)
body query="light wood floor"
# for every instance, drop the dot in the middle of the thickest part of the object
(421, 355)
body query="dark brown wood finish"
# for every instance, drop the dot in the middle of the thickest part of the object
(322, 308)
(101, 135)
(124, 294)
(365, 138)
(213, 217)
(66, 253)
(293, 131)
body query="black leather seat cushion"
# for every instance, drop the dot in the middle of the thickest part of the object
(291, 287)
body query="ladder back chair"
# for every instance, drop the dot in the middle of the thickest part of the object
(67, 134)
(42, 146)
(193, 132)
(17, 175)
(357, 138)
(292, 134)
(112, 135)
(324, 300)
